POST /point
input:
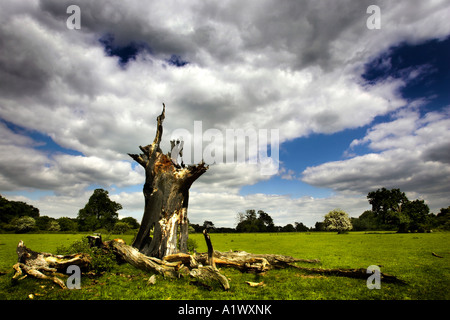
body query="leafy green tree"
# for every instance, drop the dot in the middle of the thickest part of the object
(43, 222)
(67, 224)
(417, 213)
(319, 226)
(338, 220)
(387, 204)
(265, 222)
(300, 227)
(131, 221)
(208, 225)
(393, 211)
(248, 222)
(288, 228)
(252, 221)
(121, 227)
(54, 226)
(366, 221)
(24, 224)
(100, 212)
(442, 219)
(15, 209)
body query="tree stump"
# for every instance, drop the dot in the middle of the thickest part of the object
(166, 194)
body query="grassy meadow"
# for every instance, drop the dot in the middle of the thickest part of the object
(407, 256)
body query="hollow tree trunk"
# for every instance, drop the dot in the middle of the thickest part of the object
(166, 193)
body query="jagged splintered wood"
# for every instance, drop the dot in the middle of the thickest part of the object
(166, 194)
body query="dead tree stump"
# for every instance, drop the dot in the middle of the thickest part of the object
(166, 194)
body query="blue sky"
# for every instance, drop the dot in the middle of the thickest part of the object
(356, 109)
(431, 58)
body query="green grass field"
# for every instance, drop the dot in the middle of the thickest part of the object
(407, 256)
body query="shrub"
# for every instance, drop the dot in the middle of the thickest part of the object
(101, 260)
(102, 231)
(191, 245)
(121, 227)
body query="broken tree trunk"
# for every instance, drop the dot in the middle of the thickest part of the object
(166, 194)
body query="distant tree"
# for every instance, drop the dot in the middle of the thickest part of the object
(366, 221)
(416, 217)
(43, 222)
(99, 212)
(248, 222)
(393, 211)
(54, 226)
(208, 225)
(67, 224)
(131, 221)
(121, 227)
(265, 222)
(196, 227)
(300, 227)
(387, 204)
(338, 220)
(319, 226)
(442, 220)
(24, 224)
(15, 209)
(252, 221)
(288, 228)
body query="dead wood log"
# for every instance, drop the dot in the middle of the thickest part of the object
(210, 272)
(241, 260)
(436, 255)
(171, 269)
(143, 262)
(34, 263)
(357, 273)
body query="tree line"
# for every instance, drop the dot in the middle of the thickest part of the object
(391, 210)
(100, 214)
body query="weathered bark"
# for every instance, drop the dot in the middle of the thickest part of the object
(210, 249)
(210, 272)
(166, 194)
(143, 262)
(179, 268)
(34, 263)
(241, 260)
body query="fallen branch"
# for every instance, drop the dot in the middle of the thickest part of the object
(210, 272)
(143, 262)
(360, 273)
(34, 263)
